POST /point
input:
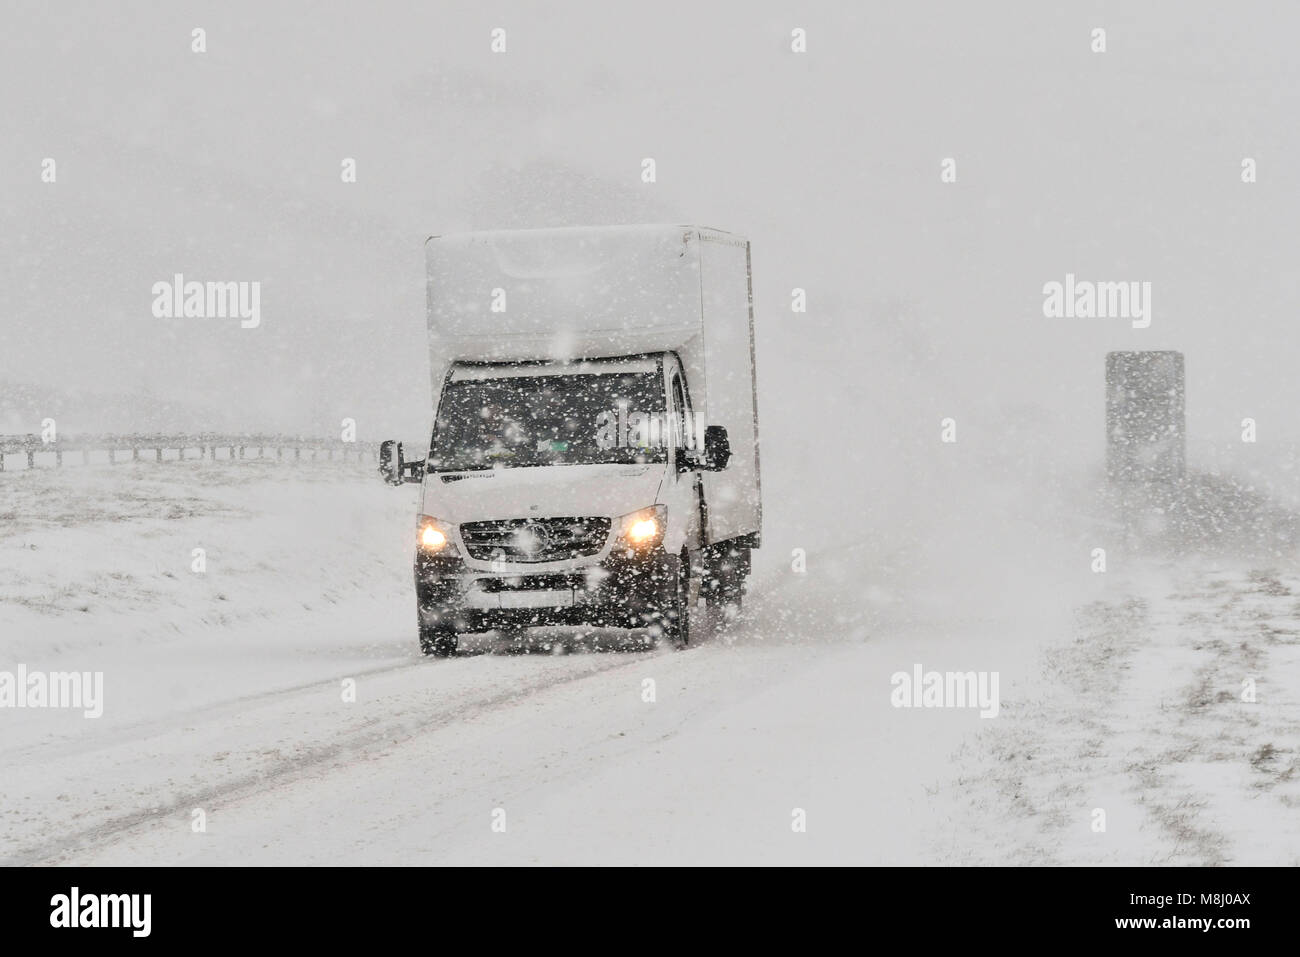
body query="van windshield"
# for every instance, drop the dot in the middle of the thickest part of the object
(539, 420)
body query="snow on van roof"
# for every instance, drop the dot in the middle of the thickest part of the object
(542, 233)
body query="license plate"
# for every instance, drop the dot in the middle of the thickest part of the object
(536, 598)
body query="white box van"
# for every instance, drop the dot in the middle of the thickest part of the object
(594, 454)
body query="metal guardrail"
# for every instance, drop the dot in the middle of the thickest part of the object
(207, 445)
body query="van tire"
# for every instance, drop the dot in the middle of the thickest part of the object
(438, 642)
(727, 575)
(673, 616)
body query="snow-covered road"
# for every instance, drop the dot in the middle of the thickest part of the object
(229, 692)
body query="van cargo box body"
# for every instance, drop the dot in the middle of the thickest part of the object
(588, 293)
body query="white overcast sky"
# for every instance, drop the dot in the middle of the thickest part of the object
(925, 299)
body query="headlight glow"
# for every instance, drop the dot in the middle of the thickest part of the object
(431, 535)
(644, 528)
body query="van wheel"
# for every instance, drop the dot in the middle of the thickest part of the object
(674, 615)
(438, 642)
(728, 590)
(727, 581)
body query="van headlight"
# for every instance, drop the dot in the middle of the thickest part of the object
(433, 536)
(644, 528)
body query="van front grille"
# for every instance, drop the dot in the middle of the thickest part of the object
(535, 539)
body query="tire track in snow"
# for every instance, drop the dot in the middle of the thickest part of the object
(357, 744)
(1142, 717)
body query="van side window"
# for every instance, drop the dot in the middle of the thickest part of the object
(678, 413)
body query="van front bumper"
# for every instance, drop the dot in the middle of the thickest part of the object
(624, 590)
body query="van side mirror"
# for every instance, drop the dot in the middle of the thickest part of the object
(712, 458)
(390, 461)
(394, 469)
(717, 448)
